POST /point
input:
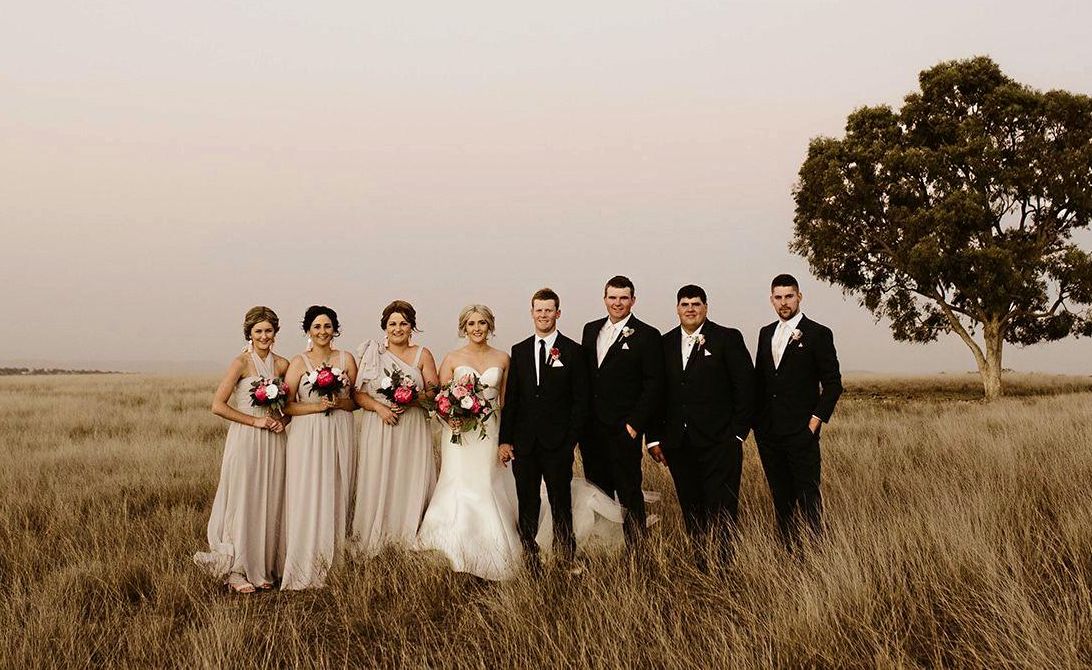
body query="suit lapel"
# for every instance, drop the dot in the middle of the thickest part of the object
(616, 345)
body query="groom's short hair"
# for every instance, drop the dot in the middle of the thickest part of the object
(546, 294)
(691, 291)
(785, 280)
(619, 281)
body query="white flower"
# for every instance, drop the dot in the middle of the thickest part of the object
(467, 402)
(626, 332)
(336, 371)
(271, 391)
(386, 383)
(312, 376)
(796, 334)
(490, 392)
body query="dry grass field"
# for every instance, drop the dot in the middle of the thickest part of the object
(960, 536)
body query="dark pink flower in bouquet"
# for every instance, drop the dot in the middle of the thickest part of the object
(403, 395)
(477, 406)
(443, 405)
(260, 394)
(325, 378)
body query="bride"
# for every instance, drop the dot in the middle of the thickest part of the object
(471, 518)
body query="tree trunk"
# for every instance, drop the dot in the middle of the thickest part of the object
(989, 366)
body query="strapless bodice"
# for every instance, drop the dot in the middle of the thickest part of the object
(490, 378)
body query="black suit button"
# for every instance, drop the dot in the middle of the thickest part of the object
(775, 395)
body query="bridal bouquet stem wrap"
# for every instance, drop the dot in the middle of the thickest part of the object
(463, 402)
(326, 382)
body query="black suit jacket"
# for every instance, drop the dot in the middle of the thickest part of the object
(626, 388)
(711, 400)
(807, 383)
(552, 414)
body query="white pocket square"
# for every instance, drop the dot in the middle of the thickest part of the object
(556, 364)
(707, 353)
(625, 346)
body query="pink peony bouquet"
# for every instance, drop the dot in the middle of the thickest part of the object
(326, 382)
(398, 387)
(271, 394)
(463, 402)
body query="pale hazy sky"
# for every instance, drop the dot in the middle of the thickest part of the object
(164, 166)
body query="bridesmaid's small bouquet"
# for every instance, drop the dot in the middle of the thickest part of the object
(462, 401)
(272, 394)
(398, 387)
(326, 382)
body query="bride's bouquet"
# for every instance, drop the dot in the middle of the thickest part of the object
(326, 382)
(398, 387)
(462, 403)
(272, 394)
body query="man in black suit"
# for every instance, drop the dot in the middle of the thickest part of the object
(545, 408)
(706, 416)
(625, 364)
(798, 385)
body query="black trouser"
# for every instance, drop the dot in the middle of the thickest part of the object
(792, 464)
(555, 466)
(612, 461)
(707, 485)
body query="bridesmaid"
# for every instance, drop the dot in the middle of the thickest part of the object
(321, 456)
(244, 529)
(397, 471)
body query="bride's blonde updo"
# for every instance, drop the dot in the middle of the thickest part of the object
(464, 316)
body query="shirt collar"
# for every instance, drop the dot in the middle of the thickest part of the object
(697, 330)
(550, 339)
(618, 327)
(792, 323)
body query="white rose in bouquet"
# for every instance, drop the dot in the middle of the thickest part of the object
(467, 402)
(271, 391)
(386, 383)
(312, 376)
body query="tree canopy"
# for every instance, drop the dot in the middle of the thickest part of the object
(956, 213)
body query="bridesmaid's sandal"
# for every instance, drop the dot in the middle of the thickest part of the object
(265, 586)
(239, 584)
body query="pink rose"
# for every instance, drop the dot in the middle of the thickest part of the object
(477, 406)
(259, 394)
(403, 395)
(459, 392)
(443, 405)
(325, 378)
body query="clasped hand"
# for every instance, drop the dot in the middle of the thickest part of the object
(268, 423)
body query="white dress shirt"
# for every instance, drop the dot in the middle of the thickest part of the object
(549, 339)
(688, 342)
(608, 335)
(781, 337)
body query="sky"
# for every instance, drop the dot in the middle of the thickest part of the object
(165, 166)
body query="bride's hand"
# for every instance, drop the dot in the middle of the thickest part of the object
(455, 424)
(504, 453)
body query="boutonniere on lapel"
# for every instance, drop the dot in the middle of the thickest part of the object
(796, 336)
(626, 332)
(555, 358)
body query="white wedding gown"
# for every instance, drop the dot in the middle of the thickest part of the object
(471, 518)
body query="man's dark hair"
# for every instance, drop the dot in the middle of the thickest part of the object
(619, 281)
(691, 291)
(785, 280)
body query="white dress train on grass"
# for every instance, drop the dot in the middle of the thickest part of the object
(472, 516)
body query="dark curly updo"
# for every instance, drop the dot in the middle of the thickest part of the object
(399, 307)
(256, 315)
(315, 311)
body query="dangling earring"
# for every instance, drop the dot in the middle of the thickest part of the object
(249, 346)
(310, 344)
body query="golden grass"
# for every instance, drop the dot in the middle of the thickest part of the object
(960, 535)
